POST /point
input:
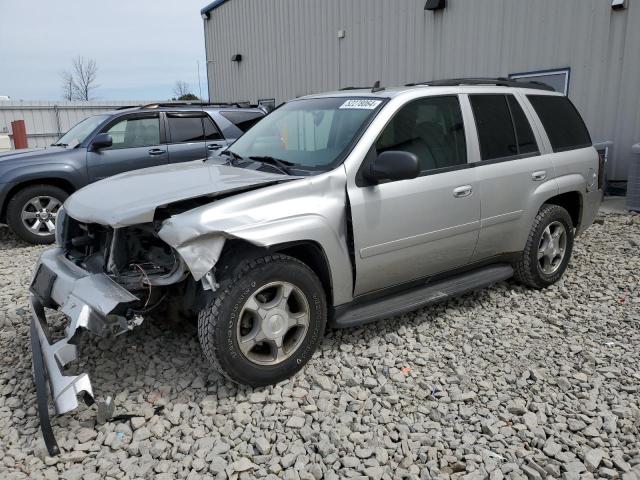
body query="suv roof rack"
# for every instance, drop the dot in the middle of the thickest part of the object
(197, 104)
(500, 81)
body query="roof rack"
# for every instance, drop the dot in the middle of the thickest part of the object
(197, 104)
(500, 81)
(355, 88)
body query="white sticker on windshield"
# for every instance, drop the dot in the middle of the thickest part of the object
(361, 104)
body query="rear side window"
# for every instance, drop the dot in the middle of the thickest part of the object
(564, 125)
(185, 128)
(495, 129)
(524, 134)
(503, 128)
(243, 120)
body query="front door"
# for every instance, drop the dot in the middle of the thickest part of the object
(136, 144)
(409, 229)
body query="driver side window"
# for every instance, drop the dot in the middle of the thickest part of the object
(135, 132)
(431, 128)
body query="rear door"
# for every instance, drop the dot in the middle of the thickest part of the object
(512, 172)
(406, 230)
(192, 136)
(138, 142)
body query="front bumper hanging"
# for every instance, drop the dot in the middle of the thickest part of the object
(88, 300)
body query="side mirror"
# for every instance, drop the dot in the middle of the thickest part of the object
(393, 165)
(101, 140)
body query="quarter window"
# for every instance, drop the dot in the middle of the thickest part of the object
(135, 132)
(503, 129)
(243, 120)
(431, 128)
(562, 122)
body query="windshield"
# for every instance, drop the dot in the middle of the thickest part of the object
(81, 131)
(310, 133)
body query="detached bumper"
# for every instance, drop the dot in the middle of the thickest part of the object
(89, 301)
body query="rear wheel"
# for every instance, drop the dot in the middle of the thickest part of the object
(265, 322)
(33, 211)
(548, 249)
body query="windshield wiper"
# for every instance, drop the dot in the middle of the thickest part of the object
(282, 165)
(59, 145)
(234, 157)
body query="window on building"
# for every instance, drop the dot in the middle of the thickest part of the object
(135, 132)
(557, 79)
(562, 122)
(242, 119)
(503, 128)
(432, 129)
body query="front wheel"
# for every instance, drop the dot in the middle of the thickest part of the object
(33, 211)
(265, 322)
(548, 249)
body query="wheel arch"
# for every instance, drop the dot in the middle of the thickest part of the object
(308, 252)
(572, 202)
(59, 182)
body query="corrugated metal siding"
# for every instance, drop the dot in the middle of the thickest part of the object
(291, 48)
(46, 121)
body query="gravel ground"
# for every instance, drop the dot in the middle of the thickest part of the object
(502, 383)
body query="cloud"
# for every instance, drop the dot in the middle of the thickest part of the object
(139, 45)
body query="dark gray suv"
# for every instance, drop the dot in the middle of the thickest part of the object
(35, 183)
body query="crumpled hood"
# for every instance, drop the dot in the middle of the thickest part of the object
(132, 198)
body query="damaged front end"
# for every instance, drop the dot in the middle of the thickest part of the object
(104, 280)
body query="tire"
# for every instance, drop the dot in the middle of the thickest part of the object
(18, 203)
(233, 316)
(538, 272)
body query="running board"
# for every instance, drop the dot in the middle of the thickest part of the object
(393, 305)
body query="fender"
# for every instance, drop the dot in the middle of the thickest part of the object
(45, 170)
(311, 209)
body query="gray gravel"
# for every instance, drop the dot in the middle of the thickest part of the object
(502, 383)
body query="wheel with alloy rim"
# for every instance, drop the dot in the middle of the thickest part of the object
(548, 249)
(273, 322)
(265, 322)
(32, 212)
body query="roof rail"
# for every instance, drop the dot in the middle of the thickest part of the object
(355, 88)
(197, 104)
(500, 81)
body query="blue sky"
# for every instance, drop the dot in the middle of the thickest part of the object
(141, 47)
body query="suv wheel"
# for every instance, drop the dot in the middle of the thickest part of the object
(33, 211)
(265, 322)
(548, 248)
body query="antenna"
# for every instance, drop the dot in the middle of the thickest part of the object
(204, 144)
(376, 87)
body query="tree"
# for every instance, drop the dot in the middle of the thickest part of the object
(67, 85)
(181, 89)
(85, 72)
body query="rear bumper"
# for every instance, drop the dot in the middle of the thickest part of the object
(88, 300)
(590, 206)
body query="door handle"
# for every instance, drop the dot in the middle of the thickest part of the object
(538, 176)
(157, 151)
(214, 146)
(463, 191)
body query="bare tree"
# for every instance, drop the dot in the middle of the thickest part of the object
(85, 72)
(68, 85)
(181, 89)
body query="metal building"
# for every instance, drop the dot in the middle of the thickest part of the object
(261, 50)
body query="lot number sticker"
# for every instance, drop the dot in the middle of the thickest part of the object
(361, 104)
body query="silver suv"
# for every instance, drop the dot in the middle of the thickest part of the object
(335, 209)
